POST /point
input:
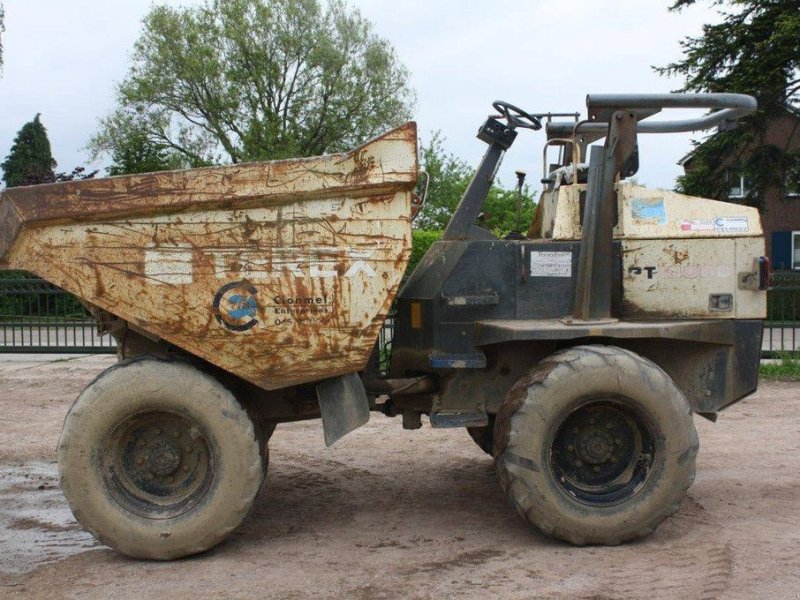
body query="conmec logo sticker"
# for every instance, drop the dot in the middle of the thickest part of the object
(236, 306)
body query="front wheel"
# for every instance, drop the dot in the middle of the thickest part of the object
(158, 459)
(596, 445)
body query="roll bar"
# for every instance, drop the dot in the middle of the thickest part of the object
(602, 106)
(617, 118)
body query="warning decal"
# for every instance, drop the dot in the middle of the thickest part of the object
(551, 264)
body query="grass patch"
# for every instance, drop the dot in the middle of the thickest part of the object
(784, 368)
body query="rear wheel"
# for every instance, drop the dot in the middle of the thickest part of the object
(159, 460)
(596, 445)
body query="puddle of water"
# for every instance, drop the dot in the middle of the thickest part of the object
(36, 524)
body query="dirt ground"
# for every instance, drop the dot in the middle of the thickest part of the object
(388, 513)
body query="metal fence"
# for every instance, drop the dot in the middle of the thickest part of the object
(36, 316)
(782, 327)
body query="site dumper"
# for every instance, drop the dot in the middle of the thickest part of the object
(249, 295)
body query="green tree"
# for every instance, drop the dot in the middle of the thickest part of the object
(422, 240)
(77, 174)
(30, 160)
(755, 49)
(240, 80)
(449, 176)
(139, 155)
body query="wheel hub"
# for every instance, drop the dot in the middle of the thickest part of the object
(600, 453)
(157, 463)
(595, 446)
(163, 458)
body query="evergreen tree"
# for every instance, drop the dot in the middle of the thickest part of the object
(755, 50)
(30, 161)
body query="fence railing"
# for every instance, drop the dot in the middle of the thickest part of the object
(36, 316)
(782, 326)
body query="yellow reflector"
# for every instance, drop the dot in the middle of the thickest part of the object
(416, 315)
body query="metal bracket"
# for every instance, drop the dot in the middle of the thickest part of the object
(596, 260)
(443, 416)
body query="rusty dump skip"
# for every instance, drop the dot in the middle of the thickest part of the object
(280, 272)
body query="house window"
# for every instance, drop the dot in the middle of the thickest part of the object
(792, 191)
(785, 253)
(792, 180)
(739, 184)
(796, 250)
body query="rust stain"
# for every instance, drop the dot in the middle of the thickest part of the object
(679, 257)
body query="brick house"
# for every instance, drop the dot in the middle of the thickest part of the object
(780, 211)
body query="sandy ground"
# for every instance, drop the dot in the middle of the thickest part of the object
(389, 513)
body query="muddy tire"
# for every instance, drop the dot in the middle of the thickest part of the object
(158, 459)
(484, 436)
(595, 445)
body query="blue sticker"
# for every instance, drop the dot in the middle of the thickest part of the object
(649, 209)
(242, 307)
(235, 306)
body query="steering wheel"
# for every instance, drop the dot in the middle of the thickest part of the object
(516, 117)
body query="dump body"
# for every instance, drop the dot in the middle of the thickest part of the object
(279, 272)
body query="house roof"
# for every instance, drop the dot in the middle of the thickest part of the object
(792, 111)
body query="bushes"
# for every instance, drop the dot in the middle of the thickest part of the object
(422, 239)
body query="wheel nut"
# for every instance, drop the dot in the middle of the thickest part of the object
(139, 461)
(188, 448)
(618, 442)
(609, 425)
(571, 448)
(578, 463)
(597, 469)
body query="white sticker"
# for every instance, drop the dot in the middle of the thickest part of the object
(718, 224)
(551, 264)
(697, 225)
(731, 224)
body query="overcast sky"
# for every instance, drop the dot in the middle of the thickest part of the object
(63, 59)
